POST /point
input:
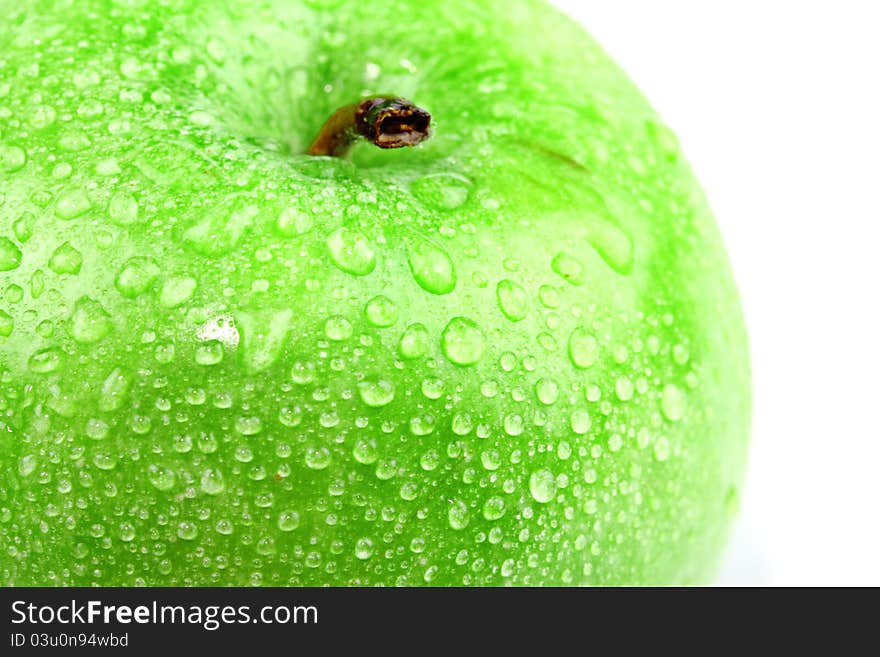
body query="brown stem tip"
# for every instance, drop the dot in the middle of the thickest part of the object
(384, 121)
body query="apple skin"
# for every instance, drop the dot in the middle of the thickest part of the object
(513, 355)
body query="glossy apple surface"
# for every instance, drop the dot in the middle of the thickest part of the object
(511, 355)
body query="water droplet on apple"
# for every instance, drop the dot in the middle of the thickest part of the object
(376, 392)
(432, 388)
(513, 424)
(415, 342)
(12, 158)
(249, 425)
(442, 191)
(491, 459)
(317, 458)
(123, 209)
(351, 252)
(672, 402)
(220, 230)
(363, 549)
(104, 461)
(661, 448)
(212, 482)
(431, 266)
(542, 486)
(624, 388)
(568, 268)
(458, 515)
(512, 300)
(381, 311)
(612, 244)
(113, 391)
(583, 349)
(265, 334)
(288, 520)
(136, 277)
(493, 508)
(72, 204)
(90, 322)
(10, 255)
(188, 531)
(176, 291)
(294, 221)
(209, 353)
(462, 341)
(42, 116)
(44, 361)
(7, 323)
(365, 451)
(161, 478)
(547, 391)
(580, 421)
(337, 328)
(66, 260)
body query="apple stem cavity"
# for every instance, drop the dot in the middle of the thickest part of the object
(387, 122)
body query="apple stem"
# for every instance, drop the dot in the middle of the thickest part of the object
(387, 122)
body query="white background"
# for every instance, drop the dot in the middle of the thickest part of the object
(777, 105)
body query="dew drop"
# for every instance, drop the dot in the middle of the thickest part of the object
(317, 458)
(209, 353)
(104, 461)
(90, 322)
(249, 425)
(7, 323)
(513, 424)
(113, 391)
(580, 421)
(661, 448)
(176, 291)
(547, 391)
(493, 508)
(462, 341)
(415, 342)
(162, 479)
(458, 515)
(293, 221)
(381, 311)
(431, 267)
(290, 416)
(376, 393)
(212, 482)
(288, 520)
(187, 531)
(66, 260)
(44, 361)
(583, 349)
(568, 268)
(365, 451)
(624, 388)
(442, 191)
(512, 300)
(542, 486)
(612, 244)
(351, 252)
(10, 255)
(430, 460)
(136, 276)
(363, 549)
(337, 328)
(12, 158)
(72, 204)
(672, 402)
(123, 209)
(491, 459)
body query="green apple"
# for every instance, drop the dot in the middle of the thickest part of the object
(513, 354)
